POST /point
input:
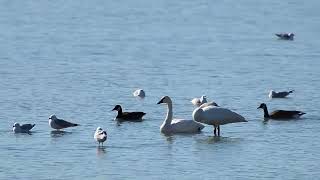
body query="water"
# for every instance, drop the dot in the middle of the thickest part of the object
(77, 59)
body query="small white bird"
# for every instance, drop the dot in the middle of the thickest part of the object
(202, 100)
(56, 123)
(100, 135)
(199, 101)
(139, 93)
(216, 116)
(25, 128)
(282, 94)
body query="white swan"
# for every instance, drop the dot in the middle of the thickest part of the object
(100, 135)
(216, 116)
(171, 126)
(139, 93)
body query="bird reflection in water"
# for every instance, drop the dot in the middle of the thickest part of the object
(101, 150)
(58, 133)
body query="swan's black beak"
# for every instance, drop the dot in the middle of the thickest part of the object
(161, 101)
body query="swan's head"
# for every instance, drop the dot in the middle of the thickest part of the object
(262, 106)
(53, 117)
(117, 108)
(16, 125)
(165, 100)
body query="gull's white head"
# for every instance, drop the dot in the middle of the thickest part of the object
(271, 93)
(139, 93)
(99, 129)
(16, 124)
(53, 117)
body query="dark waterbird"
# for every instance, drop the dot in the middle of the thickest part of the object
(280, 114)
(56, 123)
(24, 128)
(281, 94)
(128, 116)
(285, 36)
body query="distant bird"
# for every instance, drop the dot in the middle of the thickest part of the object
(100, 135)
(216, 116)
(285, 36)
(25, 128)
(280, 114)
(139, 93)
(199, 101)
(56, 123)
(128, 116)
(212, 103)
(282, 94)
(171, 126)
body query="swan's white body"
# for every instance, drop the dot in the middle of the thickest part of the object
(216, 116)
(100, 135)
(171, 126)
(139, 93)
(199, 101)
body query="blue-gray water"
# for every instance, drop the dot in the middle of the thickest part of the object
(77, 59)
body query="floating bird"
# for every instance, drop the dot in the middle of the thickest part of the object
(199, 101)
(139, 93)
(285, 36)
(170, 126)
(280, 114)
(282, 94)
(24, 128)
(216, 116)
(100, 135)
(56, 123)
(202, 100)
(128, 116)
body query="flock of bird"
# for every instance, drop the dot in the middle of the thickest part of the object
(209, 113)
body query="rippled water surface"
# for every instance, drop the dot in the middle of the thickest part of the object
(77, 59)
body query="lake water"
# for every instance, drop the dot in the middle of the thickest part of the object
(77, 59)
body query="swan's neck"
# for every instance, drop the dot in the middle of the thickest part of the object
(169, 115)
(196, 114)
(266, 113)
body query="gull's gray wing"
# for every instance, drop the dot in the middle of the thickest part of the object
(283, 94)
(64, 124)
(27, 127)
